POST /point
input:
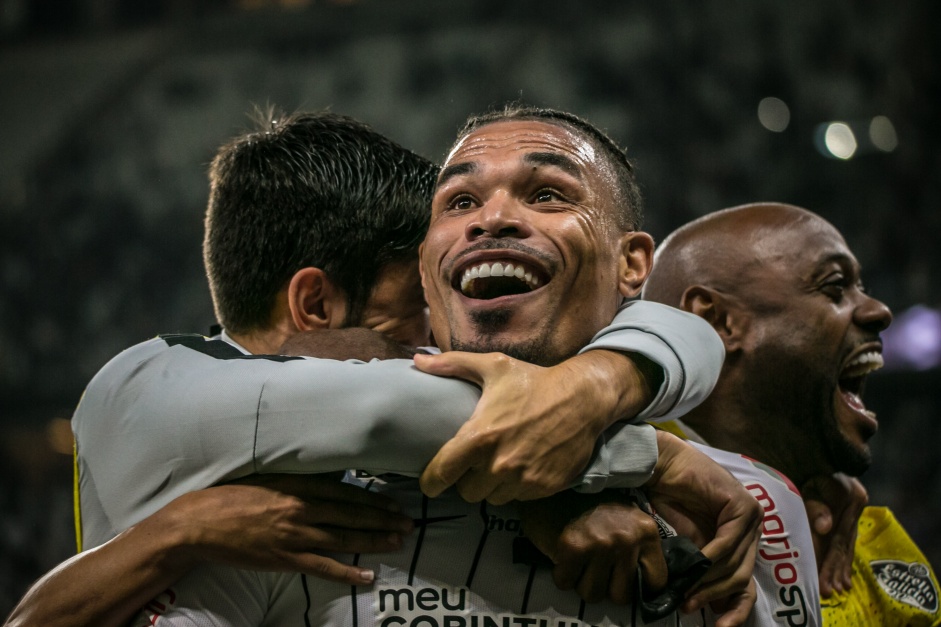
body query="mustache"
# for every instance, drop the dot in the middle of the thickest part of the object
(502, 243)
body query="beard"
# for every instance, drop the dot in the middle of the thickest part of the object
(795, 396)
(489, 324)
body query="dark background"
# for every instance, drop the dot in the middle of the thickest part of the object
(110, 111)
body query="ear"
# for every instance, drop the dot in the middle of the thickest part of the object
(723, 313)
(635, 262)
(315, 302)
(421, 266)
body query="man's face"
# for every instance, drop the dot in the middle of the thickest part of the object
(814, 338)
(522, 254)
(396, 306)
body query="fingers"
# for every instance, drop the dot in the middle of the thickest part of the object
(332, 570)
(449, 464)
(733, 552)
(347, 540)
(472, 367)
(837, 568)
(736, 609)
(316, 488)
(356, 516)
(653, 565)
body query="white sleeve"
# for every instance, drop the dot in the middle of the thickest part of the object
(683, 344)
(160, 421)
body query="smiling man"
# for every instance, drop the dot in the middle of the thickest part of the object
(783, 290)
(178, 413)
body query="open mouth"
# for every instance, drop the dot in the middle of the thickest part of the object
(493, 279)
(853, 378)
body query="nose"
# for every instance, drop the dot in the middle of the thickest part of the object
(500, 216)
(872, 314)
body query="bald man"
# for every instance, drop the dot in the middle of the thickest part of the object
(781, 287)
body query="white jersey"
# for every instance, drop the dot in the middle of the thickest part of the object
(460, 569)
(457, 569)
(180, 413)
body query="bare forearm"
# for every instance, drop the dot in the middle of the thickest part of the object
(107, 585)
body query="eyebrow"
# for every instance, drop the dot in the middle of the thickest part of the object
(458, 169)
(553, 159)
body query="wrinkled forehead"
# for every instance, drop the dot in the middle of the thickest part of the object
(523, 136)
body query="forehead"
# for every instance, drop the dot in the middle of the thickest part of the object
(519, 137)
(804, 246)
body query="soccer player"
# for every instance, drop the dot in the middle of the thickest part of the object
(781, 287)
(289, 418)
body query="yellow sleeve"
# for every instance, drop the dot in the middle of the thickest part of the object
(893, 584)
(76, 504)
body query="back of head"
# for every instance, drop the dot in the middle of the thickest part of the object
(309, 190)
(627, 194)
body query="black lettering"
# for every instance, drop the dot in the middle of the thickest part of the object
(395, 594)
(461, 599)
(512, 525)
(397, 620)
(427, 599)
(793, 597)
(454, 621)
(496, 524)
(423, 620)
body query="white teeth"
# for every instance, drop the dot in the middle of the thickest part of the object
(485, 270)
(864, 364)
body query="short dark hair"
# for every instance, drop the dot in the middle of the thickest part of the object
(627, 195)
(309, 189)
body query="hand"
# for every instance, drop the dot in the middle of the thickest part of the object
(707, 504)
(534, 428)
(278, 522)
(735, 609)
(834, 505)
(596, 544)
(342, 344)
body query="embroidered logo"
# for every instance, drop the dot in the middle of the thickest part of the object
(909, 583)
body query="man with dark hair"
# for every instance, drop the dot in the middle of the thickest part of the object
(784, 292)
(356, 200)
(283, 415)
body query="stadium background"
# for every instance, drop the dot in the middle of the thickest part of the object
(111, 109)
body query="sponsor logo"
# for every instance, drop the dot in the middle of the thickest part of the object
(444, 606)
(908, 583)
(775, 550)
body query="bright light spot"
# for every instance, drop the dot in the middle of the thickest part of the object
(840, 141)
(882, 134)
(774, 114)
(59, 435)
(914, 339)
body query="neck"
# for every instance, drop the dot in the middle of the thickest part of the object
(266, 341)
(730, 427)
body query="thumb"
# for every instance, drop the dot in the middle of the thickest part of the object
(472, 367)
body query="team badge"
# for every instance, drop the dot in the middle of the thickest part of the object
(909, 583)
